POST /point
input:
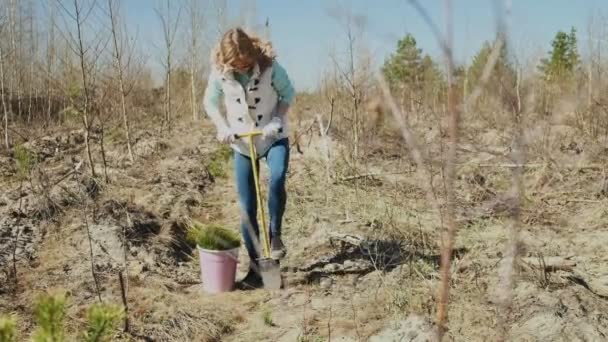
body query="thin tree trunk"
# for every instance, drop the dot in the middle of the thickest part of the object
(125, 118)
(354, 93)
(119, 66)
(85, 87)
(465, 91)
(36, 102)
(33, 52)
(14, 86)
(15, 247)
(30, 93)
(599, 66)
(449, 235)
(168, 93)
(22, 57)
(590, 66)
(5, 109)
(48, 100)
(18, 56)
(518, 89)
(123, 293)
(193, 91)
(193, 97)
(194, 27)
(169, 30)
(103, 154)
(590, 83)
(50, 60)
(91, 254)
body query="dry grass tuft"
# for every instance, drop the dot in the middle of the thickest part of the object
(162, 315)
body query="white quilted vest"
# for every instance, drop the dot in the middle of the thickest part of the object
(251, 108)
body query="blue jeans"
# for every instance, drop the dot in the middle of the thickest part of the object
(277, 159)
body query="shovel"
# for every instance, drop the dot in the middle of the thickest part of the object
(269, 268)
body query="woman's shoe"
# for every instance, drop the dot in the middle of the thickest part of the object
(251, 281)
(277, 248)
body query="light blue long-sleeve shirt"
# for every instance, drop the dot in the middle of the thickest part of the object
(280, 82)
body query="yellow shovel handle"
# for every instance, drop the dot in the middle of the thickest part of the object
(248, 135)
(258, 192)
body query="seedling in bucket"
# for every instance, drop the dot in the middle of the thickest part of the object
(218, 250)
(269, 267)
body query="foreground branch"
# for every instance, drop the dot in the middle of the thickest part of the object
(448, 236)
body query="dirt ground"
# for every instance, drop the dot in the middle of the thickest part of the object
(363, 242)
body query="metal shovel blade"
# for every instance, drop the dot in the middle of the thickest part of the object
(271, 273)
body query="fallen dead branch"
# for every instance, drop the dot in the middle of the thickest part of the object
(595, 286)
(354, 240)
(576, 200)
(345, 221)
(372, 174)
(537, 165)
(549, 264)
(75, 170)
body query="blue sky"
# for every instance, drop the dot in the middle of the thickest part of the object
(305, 32)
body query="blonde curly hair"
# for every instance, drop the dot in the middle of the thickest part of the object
(238, 48)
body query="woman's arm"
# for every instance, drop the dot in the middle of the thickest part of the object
(211, 101)
(283, 86)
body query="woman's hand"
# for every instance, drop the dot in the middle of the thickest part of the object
(273, 128)
(226, 135)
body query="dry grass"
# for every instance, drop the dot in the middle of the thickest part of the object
(562, 214)
(560, 177)
(163, 315)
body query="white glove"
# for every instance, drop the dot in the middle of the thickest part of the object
(226, 135)
(273, 128)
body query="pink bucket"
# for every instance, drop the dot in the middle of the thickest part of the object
(218, 269)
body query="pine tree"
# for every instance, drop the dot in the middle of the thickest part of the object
(50, 316)
(502, 65)
(8, 329)
(563, 58)
(502, 78)
(102, 320)
(572, 52)
(403, 65)
(429, 71)
(407, 68)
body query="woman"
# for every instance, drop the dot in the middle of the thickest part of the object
(257, 94)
